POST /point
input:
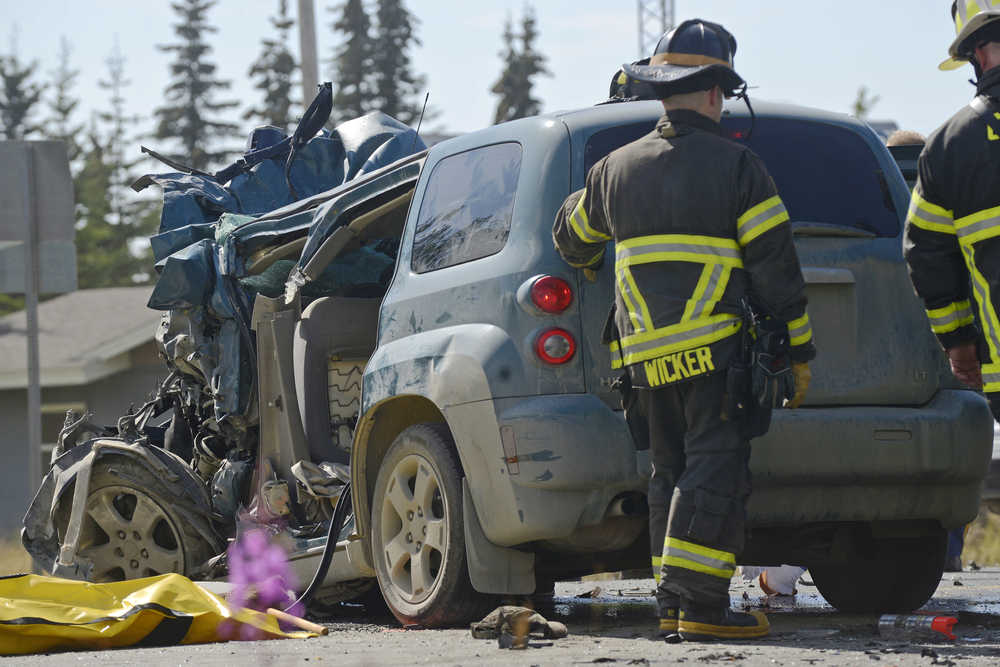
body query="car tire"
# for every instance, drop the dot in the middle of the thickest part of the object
(418, 534)
(131, 527)
(902, 577)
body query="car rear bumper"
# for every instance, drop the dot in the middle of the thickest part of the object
(566, 459)
(874, 463)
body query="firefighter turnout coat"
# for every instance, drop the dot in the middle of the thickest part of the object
(953, 231)
(698, 225)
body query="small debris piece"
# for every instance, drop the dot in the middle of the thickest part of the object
(943, 661)
(673, 638)
(593, 593)
(638, 661)
(928, 653)
(958, 582)
(727, 656)
(973, 565)
(872, 655)
(604, 660)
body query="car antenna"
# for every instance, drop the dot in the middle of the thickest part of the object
(420, 120)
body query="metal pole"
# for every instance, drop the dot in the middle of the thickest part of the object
(640, 11)
(307, 51)
(31, 284)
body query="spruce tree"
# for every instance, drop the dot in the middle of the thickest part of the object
(522, 63)
(60, 124)
(110, 216)
(397, 88)
(352, 61)
(506, 85)
(531, 63)
(274, 71)
(190, 112)
(19, 96)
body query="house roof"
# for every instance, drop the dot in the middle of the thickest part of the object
(83, 336)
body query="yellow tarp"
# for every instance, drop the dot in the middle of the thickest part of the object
(40, 614)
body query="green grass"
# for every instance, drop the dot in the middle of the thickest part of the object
(982, 541)
(13, 558)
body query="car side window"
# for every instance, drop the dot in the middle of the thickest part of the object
(466, 209)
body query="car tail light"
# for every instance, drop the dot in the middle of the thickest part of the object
(555, 346)
(551, 294)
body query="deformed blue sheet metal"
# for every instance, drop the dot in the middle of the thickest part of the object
(208, 229)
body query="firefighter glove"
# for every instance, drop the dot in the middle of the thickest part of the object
(802, 376)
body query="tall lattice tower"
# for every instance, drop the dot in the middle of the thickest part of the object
(655, 18)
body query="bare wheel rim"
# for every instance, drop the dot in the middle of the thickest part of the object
(414, 528)
(126, 535)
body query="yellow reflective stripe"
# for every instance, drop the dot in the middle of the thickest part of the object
(646, 317)
(691, 556)
(978, 226)
(800, 330)
(761, 218)
(991, 378)
(657, 563)
(987, 314)
(580, 222)
(616, 357)
(679, 337)
(699, 292)
(685, 239)
(699, 549)
(624, 288)
(678, 248)
(928, 216)
(676, 561)
(951, 317)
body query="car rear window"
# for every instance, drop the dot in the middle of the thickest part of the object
(466, 209)
(824, 173)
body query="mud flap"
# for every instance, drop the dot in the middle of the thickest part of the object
(494, 569)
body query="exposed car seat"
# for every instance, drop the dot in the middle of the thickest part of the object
(344, 330)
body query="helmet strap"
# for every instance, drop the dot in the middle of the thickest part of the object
(743, 95)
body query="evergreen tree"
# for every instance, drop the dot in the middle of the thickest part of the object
(60, 125)
(274, 71)
(352, 61)
(110, 217)
(505, 86)
(522, 63)
(191, 105)
(397, 88)
(19, 96)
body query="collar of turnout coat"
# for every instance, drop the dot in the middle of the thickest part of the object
(681, 121)
(989, 83)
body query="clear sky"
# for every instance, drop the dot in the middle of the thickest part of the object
(815, 54)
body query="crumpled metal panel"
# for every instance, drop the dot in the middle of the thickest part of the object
(200, 257)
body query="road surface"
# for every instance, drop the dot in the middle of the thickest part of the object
(616, 627)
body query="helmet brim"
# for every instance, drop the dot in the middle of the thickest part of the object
(666, 74)
(977, 22)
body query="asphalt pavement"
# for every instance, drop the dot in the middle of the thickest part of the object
(616, 625)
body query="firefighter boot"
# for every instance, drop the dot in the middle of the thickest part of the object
(699, 623)
(668, 606)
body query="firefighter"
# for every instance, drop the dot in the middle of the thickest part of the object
(697, 226)
(953, 225)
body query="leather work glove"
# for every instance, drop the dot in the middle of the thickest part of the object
(965, 365)
(802, 376)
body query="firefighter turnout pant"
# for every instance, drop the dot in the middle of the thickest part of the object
(697, 493)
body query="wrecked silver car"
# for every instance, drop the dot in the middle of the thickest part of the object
(398, 318)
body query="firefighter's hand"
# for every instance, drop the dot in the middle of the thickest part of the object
(965, 365)
(802, 376)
